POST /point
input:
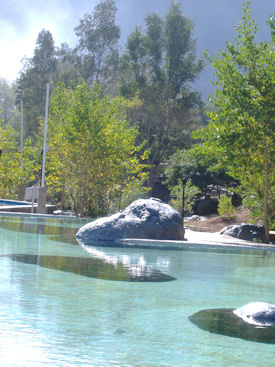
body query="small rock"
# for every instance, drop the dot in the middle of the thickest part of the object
(248, 232)
(194, 218)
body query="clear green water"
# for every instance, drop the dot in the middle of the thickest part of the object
(56, 313)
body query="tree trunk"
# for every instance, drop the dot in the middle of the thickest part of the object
(183, 199)
(62, 199)
(266, 192)
(153, 174)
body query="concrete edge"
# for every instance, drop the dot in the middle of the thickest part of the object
(134, 242)
(35, 215)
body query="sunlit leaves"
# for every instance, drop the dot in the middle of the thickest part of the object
(15, 168)
(241, 131)
(92, 146)
(159, 65)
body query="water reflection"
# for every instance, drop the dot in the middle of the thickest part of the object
(95, 268)
(58, 232)
(223, 321)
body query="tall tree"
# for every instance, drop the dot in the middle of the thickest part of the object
(241, 131)
(43, 60)
(187, 165)
(8, 111)
(66, 65)
(16, 169)
(159, 65)
(92, 152)
(31, 85)
(97, 50)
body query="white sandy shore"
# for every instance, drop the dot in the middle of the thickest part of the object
(219, 239)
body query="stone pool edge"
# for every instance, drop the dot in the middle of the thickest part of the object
(199, 239)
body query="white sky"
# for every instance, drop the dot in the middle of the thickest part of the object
(22, 20)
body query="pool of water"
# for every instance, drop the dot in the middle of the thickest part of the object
(65, 305)
(12, 202)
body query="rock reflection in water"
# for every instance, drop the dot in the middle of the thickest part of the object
(95, 268)
(224, 321)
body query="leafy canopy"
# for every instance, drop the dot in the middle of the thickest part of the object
(92, 151)
(16, 168)
(159, 66)
(241, 131)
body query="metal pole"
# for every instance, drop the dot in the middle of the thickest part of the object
(45, 134)
(32, 199)
(21, 130)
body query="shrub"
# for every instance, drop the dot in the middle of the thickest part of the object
(190, 193)
(225, 208)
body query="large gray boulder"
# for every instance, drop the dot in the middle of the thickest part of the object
(144, 218)
(248, 232)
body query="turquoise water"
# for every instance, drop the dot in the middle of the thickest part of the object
(11, 203)
(121, 307)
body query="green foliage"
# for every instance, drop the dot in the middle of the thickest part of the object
(159, 66)
(16, 169)
(188, 165)
(8, 112)
(127, 194)
(241, 131)
(95, 58)
(225, 207)
(253, 198)
(190, 192)
(97, 50)
(271, 23)
(31, 85)
(92, 148)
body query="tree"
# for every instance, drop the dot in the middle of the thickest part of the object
(97, 50)
(241, 131)
(159, 66)
(187, 165)
(43, 60)
(8, 112)
(66, 65)
(16, 169)
(31, 85)
(92, 152)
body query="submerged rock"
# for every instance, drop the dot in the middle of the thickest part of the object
(248, 232)
(225, 321)
(144, 218)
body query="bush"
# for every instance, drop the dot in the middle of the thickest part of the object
(127, 195)
(190, 193)
(225, 208)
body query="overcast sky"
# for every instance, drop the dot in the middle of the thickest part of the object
(22, 20)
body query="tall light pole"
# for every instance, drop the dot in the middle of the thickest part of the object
(45, 135)
(21, 129)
